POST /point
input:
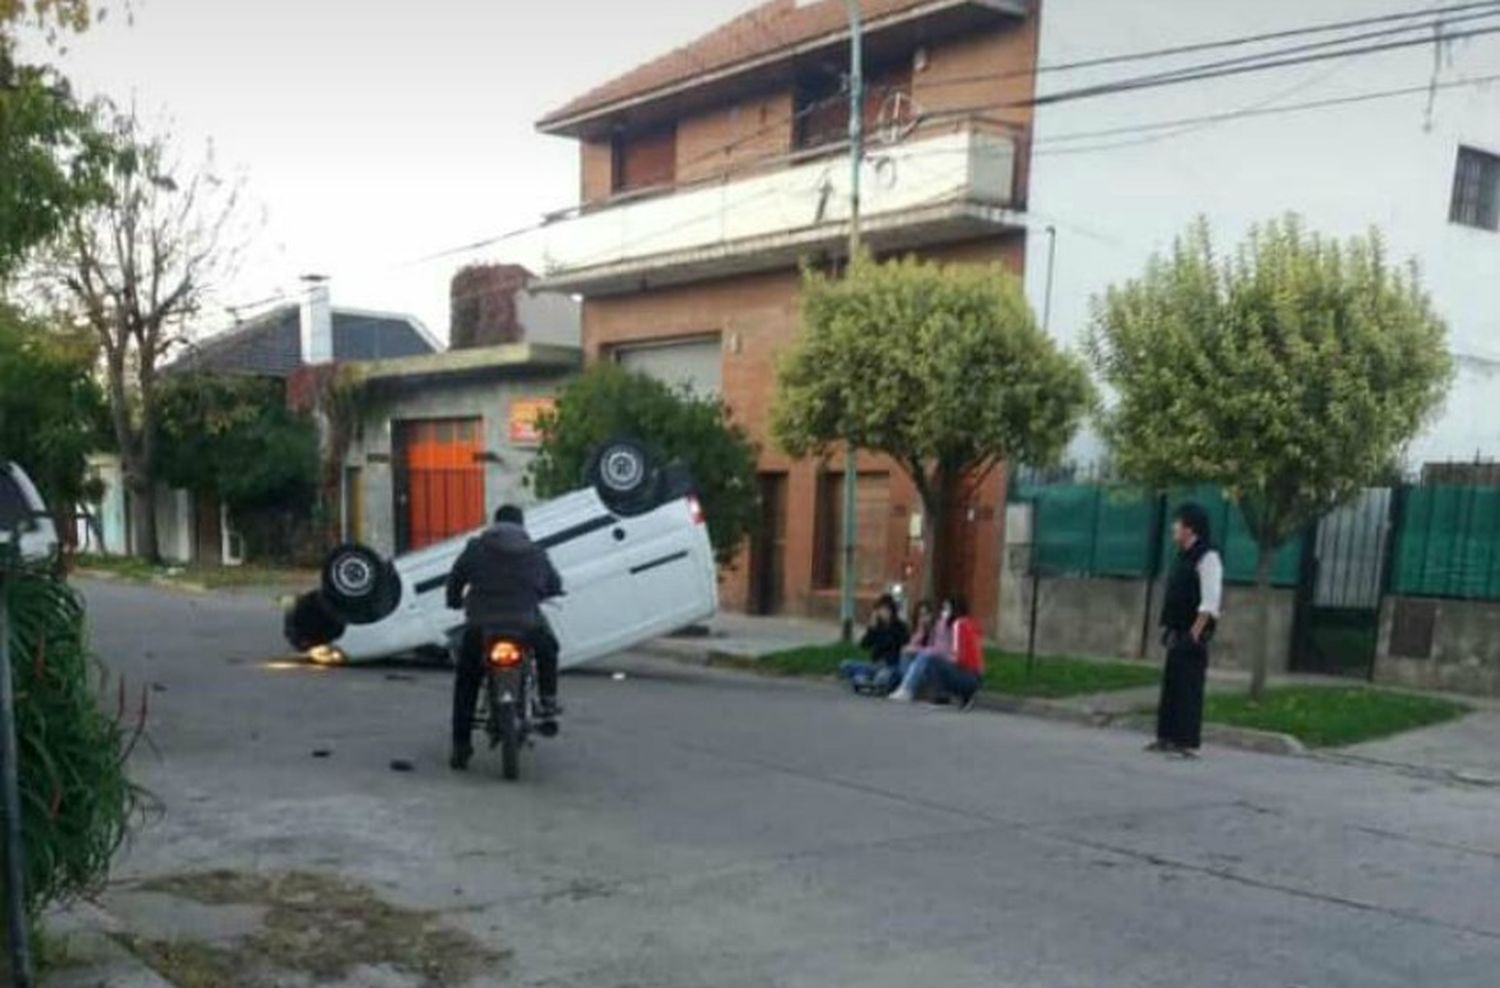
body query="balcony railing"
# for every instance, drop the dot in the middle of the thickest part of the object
(944, 182)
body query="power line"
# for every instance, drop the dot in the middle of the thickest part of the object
(1213, 118)
(1209, 72)
(1233, 42)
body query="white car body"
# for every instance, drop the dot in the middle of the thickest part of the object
(626, 579)
(23, 513)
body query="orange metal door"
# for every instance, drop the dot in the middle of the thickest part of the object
(443, 479)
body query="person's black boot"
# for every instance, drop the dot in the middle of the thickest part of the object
(458, 760)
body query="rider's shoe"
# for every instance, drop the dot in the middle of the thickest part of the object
(458, 760)
(549, 707)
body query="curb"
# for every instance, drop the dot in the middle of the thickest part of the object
(1242, 738)
(160, 582)
(90, 931)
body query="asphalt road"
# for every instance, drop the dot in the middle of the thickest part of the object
(696, 829)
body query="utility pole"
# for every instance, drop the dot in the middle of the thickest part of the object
(856, 159)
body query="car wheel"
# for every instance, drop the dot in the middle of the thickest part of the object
(623, 474)
(358, 585)
(309, 623)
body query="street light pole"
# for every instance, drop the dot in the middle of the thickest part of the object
(856, 159)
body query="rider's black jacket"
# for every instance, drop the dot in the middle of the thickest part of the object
(507, 577)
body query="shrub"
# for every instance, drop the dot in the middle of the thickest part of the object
(77, 802)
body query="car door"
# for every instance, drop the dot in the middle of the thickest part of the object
(584, 540)
(671, 568)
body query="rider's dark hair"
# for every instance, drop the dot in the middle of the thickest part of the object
(510, 513)
(958, 606)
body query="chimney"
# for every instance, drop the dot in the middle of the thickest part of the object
(316, 321)
(483, 308)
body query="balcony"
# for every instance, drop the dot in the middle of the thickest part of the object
(941, 185)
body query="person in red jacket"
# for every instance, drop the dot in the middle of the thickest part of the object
(958, 669)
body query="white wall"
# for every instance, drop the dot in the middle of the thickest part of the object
(1387, 163)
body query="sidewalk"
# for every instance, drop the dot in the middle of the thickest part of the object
(1466, 750)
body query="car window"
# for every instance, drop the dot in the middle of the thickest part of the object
(14, 510)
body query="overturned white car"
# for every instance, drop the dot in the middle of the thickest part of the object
(631, 547)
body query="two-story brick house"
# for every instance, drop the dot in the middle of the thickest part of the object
(712, 172)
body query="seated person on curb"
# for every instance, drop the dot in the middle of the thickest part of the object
(501, 579)
(936, 642)
(883, 640)
(924, 635)
(959, 672)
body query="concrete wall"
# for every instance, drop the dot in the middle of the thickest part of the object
(1389, 163)
(486, 397)
(1464, 652)
(1103, 617)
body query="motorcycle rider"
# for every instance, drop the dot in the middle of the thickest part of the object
(506, 576)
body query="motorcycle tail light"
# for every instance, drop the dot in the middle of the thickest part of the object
(695, 510)
(504, 654)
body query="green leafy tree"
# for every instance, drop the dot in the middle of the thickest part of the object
(943, 369)
(674, 423)
(234, 438)
(51, 155)
(1293, 373)
(52, 410)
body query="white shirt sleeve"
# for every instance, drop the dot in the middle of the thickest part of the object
(1210, 584)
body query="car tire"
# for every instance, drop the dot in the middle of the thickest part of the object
(358, 585)
(310, 622)
(625, 476)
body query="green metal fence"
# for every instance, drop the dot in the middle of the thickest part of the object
(1119, 531)
(1448, 543)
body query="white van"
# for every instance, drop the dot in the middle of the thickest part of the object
(23, 516)
(632, 549)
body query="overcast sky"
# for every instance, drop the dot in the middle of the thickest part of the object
(375, 132)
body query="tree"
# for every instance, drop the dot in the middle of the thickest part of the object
(134, 269)
(52, 411)
(234, 438)
(943, 369)
(674, 423)
(1292, 373)
(51, 155)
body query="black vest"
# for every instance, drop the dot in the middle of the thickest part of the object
(1179, 609)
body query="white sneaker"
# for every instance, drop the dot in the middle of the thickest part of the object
(901, 696)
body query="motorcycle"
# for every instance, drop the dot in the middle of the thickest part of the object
(510, 708)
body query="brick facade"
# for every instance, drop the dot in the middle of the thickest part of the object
(756, 316)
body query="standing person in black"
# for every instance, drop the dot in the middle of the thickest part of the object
(1195, 589)
(500, 580)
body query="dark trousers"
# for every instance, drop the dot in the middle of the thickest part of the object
(1179, 716)
(470, 674)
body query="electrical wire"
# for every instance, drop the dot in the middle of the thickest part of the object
(1233, 42)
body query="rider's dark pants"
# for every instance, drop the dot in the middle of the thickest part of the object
(470, 675)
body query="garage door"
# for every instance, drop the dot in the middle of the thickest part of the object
(696, 363)
(440, 483)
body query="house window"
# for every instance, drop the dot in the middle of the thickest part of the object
(1476, 190)
(872, 511)
(822, 101)
(645, 159)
